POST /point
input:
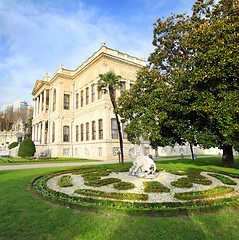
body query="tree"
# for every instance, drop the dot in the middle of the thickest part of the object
(191, 86)
(108, 83)
(26, 148)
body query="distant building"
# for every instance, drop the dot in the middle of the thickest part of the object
(18, 105)
(6, 108)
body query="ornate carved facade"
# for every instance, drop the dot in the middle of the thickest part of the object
(71, 118)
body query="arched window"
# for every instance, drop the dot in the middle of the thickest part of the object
(77, 133)
(93, 130)
(87, 130)
(114, 128)
(100, 123)
(66, 134)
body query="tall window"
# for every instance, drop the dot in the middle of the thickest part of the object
(122, 89)
(123, 128)
(66, 131)
(92, 92)
(100, 122)
(82, 132)
(93, 130)
(81, 98)
(87, 129)
(87, 96)
(131, 85)
(77, 100)
(53, 132)
(54, 100)
(114, 129)
(77, 133)
(99, 93)
(66, 101)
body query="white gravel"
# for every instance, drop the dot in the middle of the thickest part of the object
(164, 177)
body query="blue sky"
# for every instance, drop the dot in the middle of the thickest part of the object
(37, 35)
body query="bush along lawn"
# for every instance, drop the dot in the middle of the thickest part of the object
(132, 202)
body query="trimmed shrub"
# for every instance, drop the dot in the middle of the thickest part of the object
(27, 148)
(13, 145)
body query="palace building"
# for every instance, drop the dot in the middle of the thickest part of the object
(71, 118)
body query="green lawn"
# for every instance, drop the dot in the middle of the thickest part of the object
(23, 216)
(22, 161)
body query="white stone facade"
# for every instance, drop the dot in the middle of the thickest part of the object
(70, 118)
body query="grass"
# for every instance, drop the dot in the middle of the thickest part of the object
(189, 155)
(25, 217)
(23, 161)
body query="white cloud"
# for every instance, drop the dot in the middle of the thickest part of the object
(36, 36)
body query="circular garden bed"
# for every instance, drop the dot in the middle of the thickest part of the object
(170, 193)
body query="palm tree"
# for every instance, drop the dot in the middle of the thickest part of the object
(108, 83)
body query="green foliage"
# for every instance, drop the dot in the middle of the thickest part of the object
(114, 195)
(224, 179)
(190, 92)
(154, 186)
(123, 185)
(217, 191)
(13, 145)
(64, 181)
(27, 148)
(102, 182)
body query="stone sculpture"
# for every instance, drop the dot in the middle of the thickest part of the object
(143, 166)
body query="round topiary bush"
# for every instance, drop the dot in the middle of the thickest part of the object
(13, 145)
(27, 148)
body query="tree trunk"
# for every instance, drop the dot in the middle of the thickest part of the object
(191, 148)
(227, 157)
(112, 98)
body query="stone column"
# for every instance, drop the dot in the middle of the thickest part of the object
(40, 102)
(43, 132)
(39, 132)
(33, 133)
(37, 108)
(44, 104)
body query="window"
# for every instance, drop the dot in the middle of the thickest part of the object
(122, 88)
(54, 100)
(92, 92)
(82, 132)
(123, 128)
(87, 96)
(100, 129)
(82, 98)
(93, 131)
(77, 133)
(77, 100)
(114, 129)
(131, 85)
(99, 92)
(53, 132)
(66, 101)
(87, 129)
(66, 134)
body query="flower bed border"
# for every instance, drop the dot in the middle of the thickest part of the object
(39, 188)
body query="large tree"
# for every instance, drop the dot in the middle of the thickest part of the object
(190, 92)
(108, 83)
